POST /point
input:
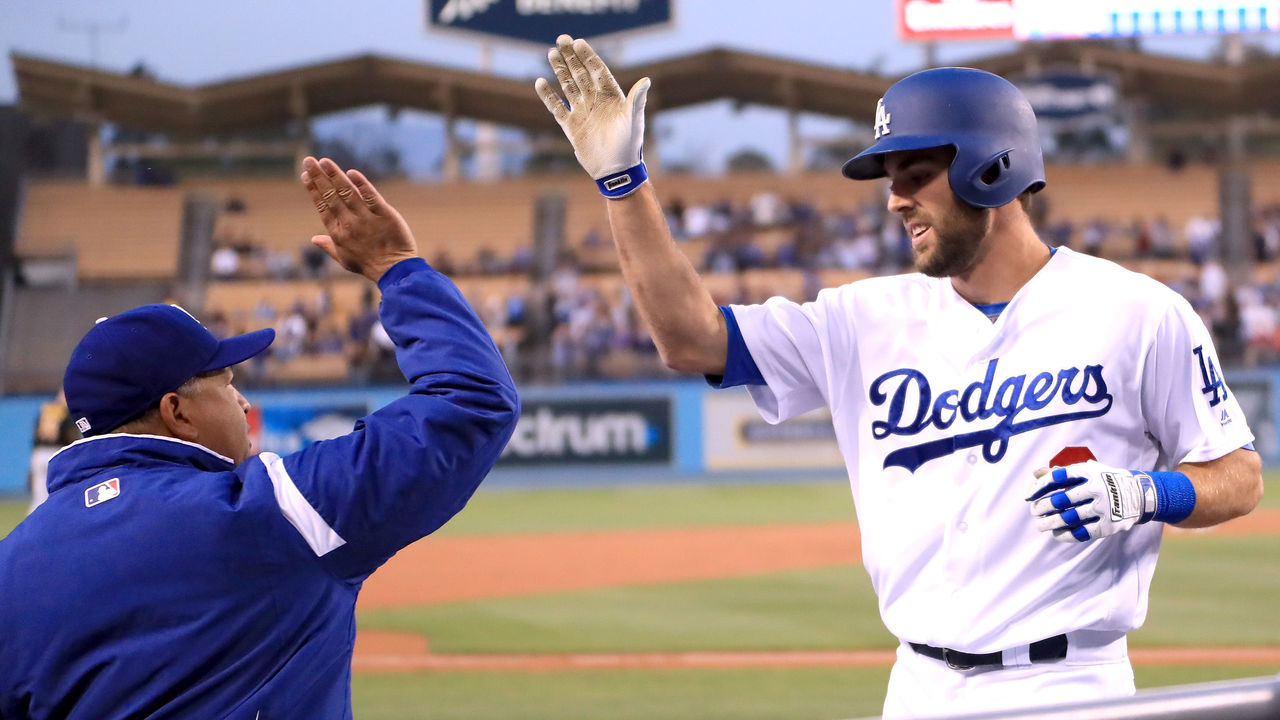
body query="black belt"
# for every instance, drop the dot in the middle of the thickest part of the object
(1047, 650)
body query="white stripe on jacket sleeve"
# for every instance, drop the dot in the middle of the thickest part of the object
(322, 538)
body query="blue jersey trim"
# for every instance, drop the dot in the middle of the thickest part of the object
(739, 367)
(990, 309)
(993, 310)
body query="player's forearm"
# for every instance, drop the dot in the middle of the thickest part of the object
(606, 129)
(687, 327)
(1087, 500)
(1226, 488)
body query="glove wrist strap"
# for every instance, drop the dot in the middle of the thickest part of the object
(623, 183)
(1167, 497)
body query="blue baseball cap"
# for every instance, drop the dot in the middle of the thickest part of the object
(127, 362)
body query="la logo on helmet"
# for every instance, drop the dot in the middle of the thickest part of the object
(881, 125)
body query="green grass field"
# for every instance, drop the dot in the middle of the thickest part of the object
(782, 694)
(11, 513)
(1208, 591)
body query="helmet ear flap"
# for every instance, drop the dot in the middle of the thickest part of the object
(992, 174)
(982, 181)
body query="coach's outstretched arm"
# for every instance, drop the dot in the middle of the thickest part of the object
(408, 467)
(606, 129)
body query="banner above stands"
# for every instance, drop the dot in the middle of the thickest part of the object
(932, 20)
(541, 21)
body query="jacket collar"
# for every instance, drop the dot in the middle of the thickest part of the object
(85, 458)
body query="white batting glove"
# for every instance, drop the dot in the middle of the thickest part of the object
(605, 127)
(1089, 500)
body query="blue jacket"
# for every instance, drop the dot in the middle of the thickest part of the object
(194, 588)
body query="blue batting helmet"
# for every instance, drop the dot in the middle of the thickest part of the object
(983, 116)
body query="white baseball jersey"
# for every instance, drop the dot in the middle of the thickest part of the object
(943, 417)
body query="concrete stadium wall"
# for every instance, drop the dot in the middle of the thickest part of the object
(603, 433)
(47, 323)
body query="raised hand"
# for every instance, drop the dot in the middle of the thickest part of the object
(366, 234)
(605, 127)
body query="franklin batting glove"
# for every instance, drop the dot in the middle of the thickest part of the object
(1089, 500)
(605, 127)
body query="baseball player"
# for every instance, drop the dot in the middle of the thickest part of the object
(954, 389)
(175, 576)
(54, 431)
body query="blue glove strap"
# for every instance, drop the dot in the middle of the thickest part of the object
(622, 184)
(1175, 495)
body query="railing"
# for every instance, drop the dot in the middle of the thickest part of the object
(1250, 699)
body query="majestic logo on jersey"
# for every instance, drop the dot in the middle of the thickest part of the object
(1214, 389)
(881, 124)
(913, 408)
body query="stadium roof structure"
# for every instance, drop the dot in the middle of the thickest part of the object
(1215, 88)
(66, 90)
(69, 90)
(61, 89)
(1204, 94)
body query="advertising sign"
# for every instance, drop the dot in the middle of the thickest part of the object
(579, 432)
(540, 21)
(736, 438)
(283, 429)
(1065, 94)
(1256, 395)
(955, 19)
(930, 20)
(1081, 114)
(1049, 19)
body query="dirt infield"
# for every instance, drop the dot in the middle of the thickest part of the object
(448, 569)
(451, 569)
(376, 652)
(1258, 522)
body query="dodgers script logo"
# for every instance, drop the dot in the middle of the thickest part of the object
(912, 413)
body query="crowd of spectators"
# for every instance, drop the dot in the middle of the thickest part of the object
(311, 328)
(581, 323)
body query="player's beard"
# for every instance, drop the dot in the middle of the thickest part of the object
(957, 246)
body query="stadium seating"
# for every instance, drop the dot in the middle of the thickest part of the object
(122, 232)
(114, 232)
(111, 227)
(130, 233)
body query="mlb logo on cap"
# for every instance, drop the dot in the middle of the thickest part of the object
(102, 492)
